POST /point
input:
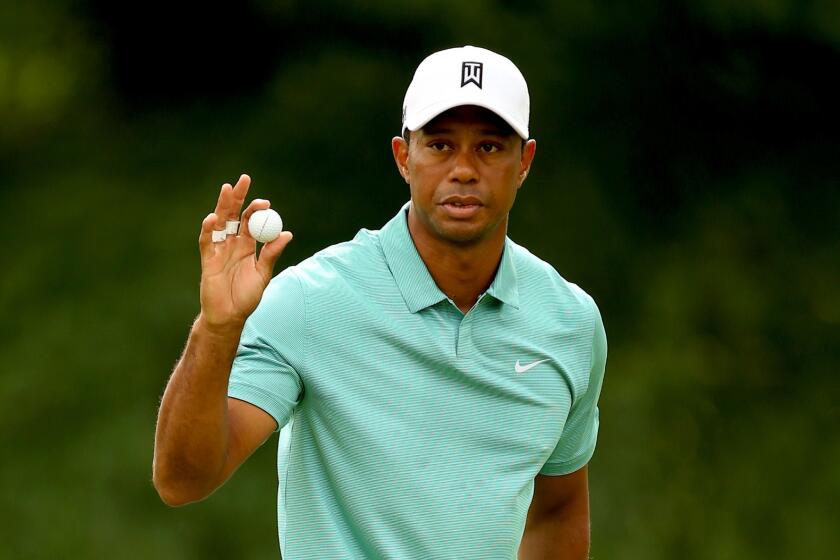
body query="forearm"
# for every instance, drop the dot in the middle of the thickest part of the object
(191, 441)
(561, 535)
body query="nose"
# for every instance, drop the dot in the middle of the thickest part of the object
(464, 167)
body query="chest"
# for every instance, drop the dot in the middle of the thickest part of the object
(437, 384)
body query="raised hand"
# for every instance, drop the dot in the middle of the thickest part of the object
(233, 278)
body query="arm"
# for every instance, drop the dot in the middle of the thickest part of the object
(558, 519)
(202, 436)
(557, 525)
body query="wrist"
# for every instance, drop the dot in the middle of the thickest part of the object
(223, 331)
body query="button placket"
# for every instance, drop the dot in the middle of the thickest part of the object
(465, 328)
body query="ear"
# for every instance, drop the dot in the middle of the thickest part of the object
(400, 149)
(528, 151)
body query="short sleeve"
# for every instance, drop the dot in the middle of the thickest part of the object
(272, 349)
(577, 442)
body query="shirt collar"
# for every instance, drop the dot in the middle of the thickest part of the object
(505, 287)
(416, 285)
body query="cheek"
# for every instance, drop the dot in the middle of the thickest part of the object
(424, 175)
(420, 184)
(505, 177)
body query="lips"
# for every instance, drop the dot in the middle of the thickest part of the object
(461, 207)
(460, 200)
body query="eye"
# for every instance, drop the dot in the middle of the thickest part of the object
(488, 148)
(439, 146)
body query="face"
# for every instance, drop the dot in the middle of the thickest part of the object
(464, 169)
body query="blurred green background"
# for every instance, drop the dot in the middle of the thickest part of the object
(696, 142)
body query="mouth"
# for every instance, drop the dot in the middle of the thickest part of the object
(461, 206)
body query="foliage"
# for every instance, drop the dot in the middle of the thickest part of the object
(686, 176)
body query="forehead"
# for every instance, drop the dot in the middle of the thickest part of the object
(469, 116)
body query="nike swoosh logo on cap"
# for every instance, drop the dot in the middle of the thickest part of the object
(522, 369)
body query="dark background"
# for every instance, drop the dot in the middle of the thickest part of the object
(686, 176)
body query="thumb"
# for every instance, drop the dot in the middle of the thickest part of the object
(271, 252)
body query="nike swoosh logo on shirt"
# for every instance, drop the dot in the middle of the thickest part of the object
(522, 369)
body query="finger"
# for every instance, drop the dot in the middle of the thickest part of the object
(205, 241)
(240, 191)
(270, 252)
(256, 204)
(225, 199)
(231, 198)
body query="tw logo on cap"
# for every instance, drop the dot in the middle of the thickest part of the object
(471, 73)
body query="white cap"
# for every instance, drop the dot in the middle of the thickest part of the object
(467, 76)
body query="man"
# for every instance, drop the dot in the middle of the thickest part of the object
(436, 384)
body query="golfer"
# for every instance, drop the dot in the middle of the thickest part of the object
(435, 384)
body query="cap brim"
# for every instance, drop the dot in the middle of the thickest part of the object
(418, 120)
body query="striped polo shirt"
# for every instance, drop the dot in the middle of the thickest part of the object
(409, 429)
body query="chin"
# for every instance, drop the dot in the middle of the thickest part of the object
(461, 234)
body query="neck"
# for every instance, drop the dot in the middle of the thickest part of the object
(462, 271)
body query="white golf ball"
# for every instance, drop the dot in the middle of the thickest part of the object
(265, 225)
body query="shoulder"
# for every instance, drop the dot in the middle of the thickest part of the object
(348, 260)
(569, 309)
(541, 284)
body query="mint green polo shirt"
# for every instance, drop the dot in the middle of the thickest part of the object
(411, 430)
